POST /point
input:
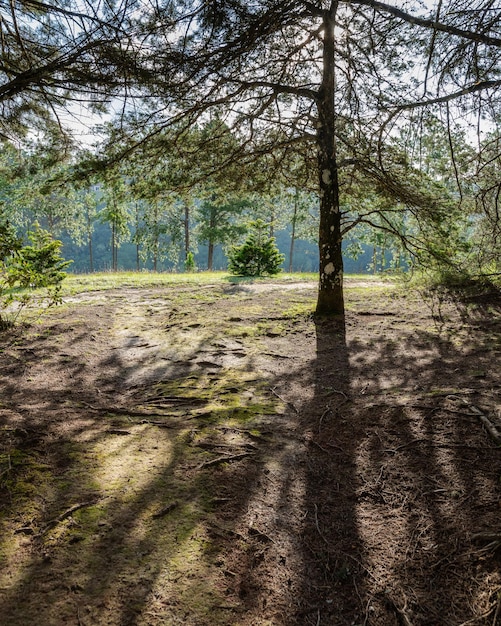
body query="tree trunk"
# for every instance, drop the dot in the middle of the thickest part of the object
(138, 249)
(186, 229)
(89, 240)
(330, 293)
(156, 241)
(114, 259)
(210, 251)
(293, 234)
(210, 256)
(91, 255)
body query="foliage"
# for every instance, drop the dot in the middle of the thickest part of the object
(189, 264)
(258, 256)
(323, 84)
(38, 264)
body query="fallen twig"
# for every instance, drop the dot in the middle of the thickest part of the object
(405, 445)
(60, 518)
(224, 459)
(249, 433)
(318, 525)
(475, 620)
(486, 537)
(162, 424)
(402, 616)
(120, 410)
(498, 610)
(166, 510)
(291, 404)
(489, 426)
(208, 445)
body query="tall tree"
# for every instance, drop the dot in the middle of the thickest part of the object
(116, 212)
(325, 80)
(328, 80)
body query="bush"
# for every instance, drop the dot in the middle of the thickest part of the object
(258, 256)
(190, 264)
(36, 265)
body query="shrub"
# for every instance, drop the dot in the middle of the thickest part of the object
(25, 268)
(190, 264)
(258, 256)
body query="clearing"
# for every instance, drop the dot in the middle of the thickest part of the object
(213, 455)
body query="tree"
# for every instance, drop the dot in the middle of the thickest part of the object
(116, 213)
(328, 82)
(322, 81)
(220, 221)
(257, 256)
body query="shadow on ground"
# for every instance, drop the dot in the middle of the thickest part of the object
(341, 478)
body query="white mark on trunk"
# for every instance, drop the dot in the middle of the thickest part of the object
(333, 228)
(326, 177)
(329, 269)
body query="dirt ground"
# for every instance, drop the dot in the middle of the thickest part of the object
(216, 456)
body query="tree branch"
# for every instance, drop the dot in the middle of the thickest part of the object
(429, 23)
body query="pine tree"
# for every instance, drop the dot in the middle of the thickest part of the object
(258, 256)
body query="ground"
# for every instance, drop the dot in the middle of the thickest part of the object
(215, 455)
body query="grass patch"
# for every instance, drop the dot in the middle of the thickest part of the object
(100, 281)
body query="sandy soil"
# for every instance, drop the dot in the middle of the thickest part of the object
(217, 456)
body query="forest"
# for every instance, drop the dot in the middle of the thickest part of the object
(250, 312)
(173, 149)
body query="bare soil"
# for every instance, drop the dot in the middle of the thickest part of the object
(216, 455)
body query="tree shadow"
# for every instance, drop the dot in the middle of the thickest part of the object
(400, 479)
(354, 499)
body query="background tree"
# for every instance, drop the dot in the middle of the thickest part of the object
(116, 213)
(221, 221)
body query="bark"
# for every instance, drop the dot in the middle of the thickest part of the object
(210, 252)
(293, 234)
(89, 241)
(156, 242)
(91, 255)
(186, 229)
(210, 256)
(114, 259)
(330, 293)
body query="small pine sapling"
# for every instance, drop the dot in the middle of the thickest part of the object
(38, 264)
(257, 256)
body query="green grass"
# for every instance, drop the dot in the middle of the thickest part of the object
(76, 283)
(100, 281)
